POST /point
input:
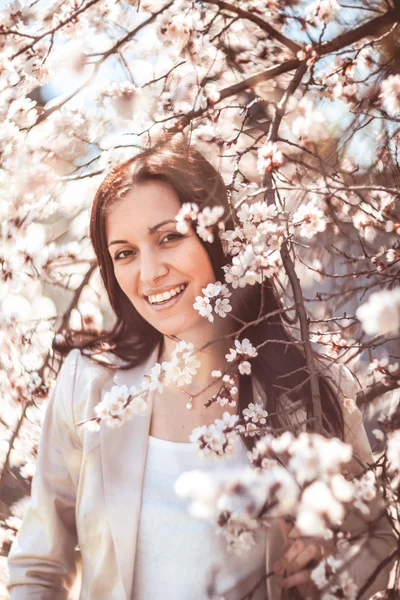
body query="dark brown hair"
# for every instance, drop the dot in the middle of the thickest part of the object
(279, 369)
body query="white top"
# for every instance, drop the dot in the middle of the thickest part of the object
(177, 553)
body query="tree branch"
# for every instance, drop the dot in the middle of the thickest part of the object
(381, 23)
(305, 336)
(374, 391)
(245, 14)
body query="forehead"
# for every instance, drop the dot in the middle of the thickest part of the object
(146, 205)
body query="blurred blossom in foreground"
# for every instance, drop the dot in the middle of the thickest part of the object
(380, 315)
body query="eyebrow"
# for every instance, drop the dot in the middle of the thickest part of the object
(151, 230)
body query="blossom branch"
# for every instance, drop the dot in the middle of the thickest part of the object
(245, 14)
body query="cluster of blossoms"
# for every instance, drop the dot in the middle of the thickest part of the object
(251, 266)
(205, 219)
(181, 35)
(328, 576)
(117, 405)
(218, 439)
(309, 124)
(8, 532)
(385, 259)
(333, 342)
(380, 315)
(269, 158)
(121, 402)
(297, 477)
(255, 418)
(322, 11)
(125, 97)
(339, 82)
(216, 298)
(231, 498)
(390, 95)
(389, 431)
(364, 490)
(367, 222)
(242, 351)
(310, 55)
(182, 366)
(377, 214)
(388, 372)
(254, 244)
(176, 29)
(228, 393)
(314, 462)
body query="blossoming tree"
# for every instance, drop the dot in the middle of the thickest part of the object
(298, 105)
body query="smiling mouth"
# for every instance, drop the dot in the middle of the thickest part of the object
(168, 301)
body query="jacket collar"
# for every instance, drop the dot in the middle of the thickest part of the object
(123, 457)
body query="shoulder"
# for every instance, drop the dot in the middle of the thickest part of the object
(341, 377)
(79, 383)
(93, 377)
(77, 363)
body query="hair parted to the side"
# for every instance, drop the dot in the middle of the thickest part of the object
(279, 369)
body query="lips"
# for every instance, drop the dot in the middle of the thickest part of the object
(159, 297)
(167, 303)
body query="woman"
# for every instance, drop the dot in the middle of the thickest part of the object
(111, 492)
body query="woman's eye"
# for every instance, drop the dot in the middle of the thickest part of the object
(119, 256)
(170, 237)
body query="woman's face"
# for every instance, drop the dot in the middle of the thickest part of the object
(151, 258)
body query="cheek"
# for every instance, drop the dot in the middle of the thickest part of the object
(125, 276)
(197, 261)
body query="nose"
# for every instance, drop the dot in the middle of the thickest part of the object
(152, 268)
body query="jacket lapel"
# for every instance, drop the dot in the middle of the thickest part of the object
(123, 457)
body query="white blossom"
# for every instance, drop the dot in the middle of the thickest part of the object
(390, 95)
(310, 219)
(256, 212)
(22, 112)
(269, 158)
(187, 214)
(318, 504)
(175, 28)
(364, 490)
(153, 379)
(222, 307)
(206, 219)
(245, 367)
(380, 315)
(393, 449)
(322, 11)
(310, 124)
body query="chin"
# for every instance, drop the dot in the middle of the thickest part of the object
(180, 330)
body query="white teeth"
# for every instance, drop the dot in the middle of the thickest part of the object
(166, 295)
